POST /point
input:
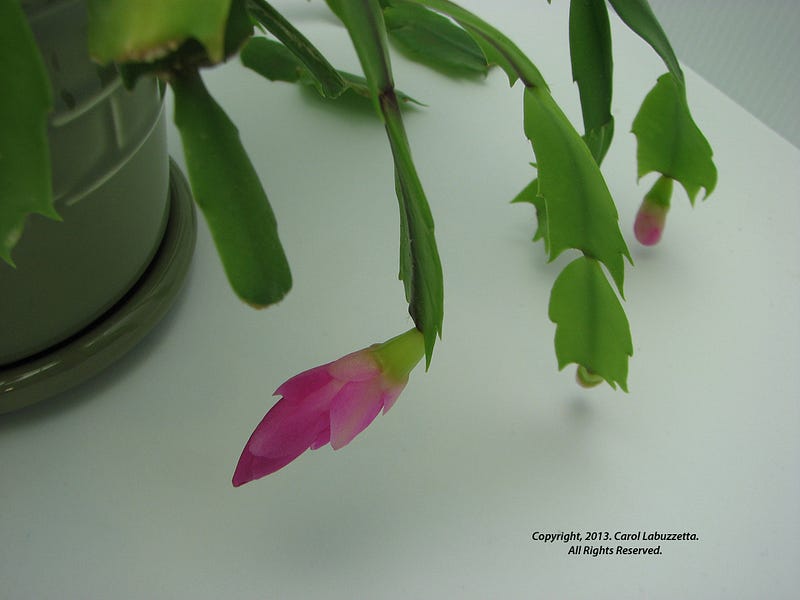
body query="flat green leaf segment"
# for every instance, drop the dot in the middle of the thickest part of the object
(144, 30)
(496, 47)
(577, 210)
(364, 22)
(25, 101)
(420, 267)
(592, 70)
(639, 17)
(580, 211)
(227, 189)
(591, 327)
(669, 142)
(433, 40)
(274, 61)
(573, 205)
(328, 80)
(530, 195)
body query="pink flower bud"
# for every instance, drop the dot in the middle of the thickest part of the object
(650, 221)
(331, 403)
(652, 215)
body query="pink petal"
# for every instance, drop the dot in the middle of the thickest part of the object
(354, 407)
(256, 462)
(304, 383)
(251, 467)
(331, 403)
(357, 366)
(287, 423)
(391, 394)
(290, 428)
(324, 436)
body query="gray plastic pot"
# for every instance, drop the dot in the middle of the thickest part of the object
(111, 183)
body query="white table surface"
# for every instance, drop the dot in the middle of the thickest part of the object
(121, 488)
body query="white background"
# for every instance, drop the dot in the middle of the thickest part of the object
(121, 487)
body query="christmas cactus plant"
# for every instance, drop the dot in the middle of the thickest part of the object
(175, 40)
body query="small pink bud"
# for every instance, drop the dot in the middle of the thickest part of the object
(652, 215)
(650, 221)
(331, 403)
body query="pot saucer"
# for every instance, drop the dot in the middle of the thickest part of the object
(95, 348)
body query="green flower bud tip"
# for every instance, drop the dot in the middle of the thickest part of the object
(587, 378)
